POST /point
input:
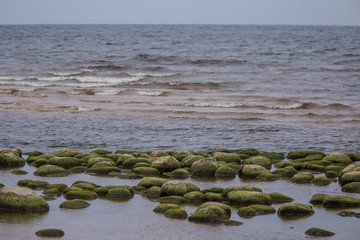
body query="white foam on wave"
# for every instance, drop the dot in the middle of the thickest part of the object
(110, 92)
(236, 105)
(150, 93)
(65, 74)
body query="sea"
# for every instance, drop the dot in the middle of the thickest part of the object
(177, 87)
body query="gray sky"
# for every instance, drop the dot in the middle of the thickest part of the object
(306, 12)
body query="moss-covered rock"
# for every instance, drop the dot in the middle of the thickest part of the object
(35, 184)
(252, 171)
(247, 212)
(273, 156)
(338, 158)
(131, 162)
(148, 182)
(141, 164)
(68, 189)
(102, 170)
(146, 171)
(240, 188)
(180, 173)
(331, 174)
(66, 152)
(52, 192)
(341, 201)
(214, 197)
(122, 193)
(75, 204)
(166, 164)
(350, 177)
(295, 209)
(249, 151)
(318, 232)
(318, 198)
(11, 158)
(334, 168)
(78, 169)
(19, 172)
(190, 159)
(191, 187)
(302, 178)
(172, 199)
(321, 181)
(354, 156)
(282, 164)
(181, 154)
(103, 191)
(21, 199)
(227, 157)
(176, 213)
(259, 160)
(288, 171)
(51, 171)
(225, 171)
(204, 167)
(280, 198)
(51, 232)
(302, 154)
(159, 153)
(82, 194)
(163, 207)
(309, 166)
(211, 212)
(84, 185)
(101, 152)
(353, 187)
(153, 192)
(174, 187)
(95, 160)
(267, 177)
(65, 162)
(122, 158)
(347, 213)
(214, 190)
(194, 197)
(246, 198)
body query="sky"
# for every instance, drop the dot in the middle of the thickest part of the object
(284, 12)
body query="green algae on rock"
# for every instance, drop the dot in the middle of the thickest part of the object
(194, 197)
(163, 207)
(211, 212)
(321, 181)
(247, 212)
(122, 193)
(338, 158)
(239, 188)
(287, 171)
(19, 172)
(146, 171)
(65, 162)
(153, 192)
(318, 198)
(176, 213)
(51, 171)
(82, 194)
(204, 167)
(302, 178)
(280, 198)
(11, 158)
(180, 173)
(341, 201)
(214, 197)
(50, 232)
(166, 164)
(148, 182)
(249, 151)
(318, 232)
(349, 177)
(259, 160)
(295, 209)
(172, 199)
(225, 171)
(21, 199)
(302, 154)
(252, 171)
(227, 157)
(353, 187)
(190, 159)
(174, 187)
(74, 204)
(245, 198)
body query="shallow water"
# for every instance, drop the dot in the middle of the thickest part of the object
(134, 219)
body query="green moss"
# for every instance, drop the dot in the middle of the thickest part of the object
(66, 152)
(353, 187)
(19, 172)
(249, 151)
(33, 153)
(282, 164)
(246, 198)
(180, 155)
(130, 163)
(75, 204)
(295, 209)
(64, 162)
(101, 152)
(60, 186)
(227, 157)
(302, 178)
(347, 213)
(146, 171)
(280, 198)
(153, 192)
(322, 181)
(288, 171)
(252, 171)
(190, 187)
(51, 171)
(309, 166)
(190, 159)
(354, 156)
(177, 213)
(174, 187)
(37, 184)
(141, 164)
(113, 156)
(53, 192)
(23, 182)
(350, 177)
(225, 171)
(102, 170)
(240, 188)
(11, 158)
(68, 189)
(318, 198)
(317, 232)
(211, 213)
(172, 199)
(122, 158)
(194, 197)
(103, 191)
(163, 207)
(148, 182)
(166, 164)
(246, 212)
(50, 233)
(78, 169)
(39, 163)
(204, 167)
(213, 189)
(259, 160)
(84, 185)
(122, 193)
(267, 177)
(262, 209)
(159, 153)
(82, 194)
(273, 156)
(214, 197)
(334, 168)
(331, 174)
(341, 201)
(94, 160)
(180, 173)
(302, 154)
(338, 158)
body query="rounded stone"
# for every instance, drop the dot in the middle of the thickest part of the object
(177, 213)
(75, 204)
(50, 233)
(246, 198)
(295, 209)
(51, 171)
(317, 232)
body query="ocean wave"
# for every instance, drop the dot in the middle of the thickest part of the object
(237, 105)
(65, 74)
(151, 93)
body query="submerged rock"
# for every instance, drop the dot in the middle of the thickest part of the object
(246, 198)
(51, 171)
(302, 178)
(280, 198)
(75, 204)
(177, 213)
(163, 207)
(148, 182)
(50, 233)
(211, 212)
(341, 201)
(21, 199)
(295, 209)
(318, 232)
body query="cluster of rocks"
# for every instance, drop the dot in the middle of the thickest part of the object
(160, 172)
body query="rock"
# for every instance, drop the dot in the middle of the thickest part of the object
(101, 152)
(92, 161)
(338, 158)
(65, 162)
(227, 157)
(159, 153)
(122, 193)
(172, 199)
(146, 171)
(82, 194)
(225, 171)
(102, 170)
(213, 212)
(66, 152)
(189, 160)
(214, 197)
(348, 214)
(341, 201)
(191, 187)
(302, 154)
(252, 171)
(122, 158)
(103, 191)
(19, 172)
(318, 198)
(177, 213)
(181, 154)
(349, 177)
(295, 209)
(194, 197)
(259, 160)
(240, 188)
(246, 212)
(263, 209)
(213, 190)
(354, 156)
(78, 169)
(267, 177)
(166, 164)
(232, 223)
(180, 173)
(317, 232)
(163, 207)
(204, 167)
(32, 184)
(335, 168)
(21, 199)
(174, 187)
(282, 164)
(273, 156)
(246, 198)
(131, 162)
(141, 164)
(11, 158)
(302, 178)
(153, 192)
(309, 166)
(353, 187)
(52, 192)
(84, 186)
(51, 171)
(288, 171)
(331, 174)
(280, 198)
(249, 151)
(50, 233)
(75, 204)
(321, 181)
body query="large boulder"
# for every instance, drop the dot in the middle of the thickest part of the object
(295, 210)
(338, 158)
(341, 201)
(259, 160)
(227, 157)
(11, 158)
(51, 171)
(21, 199)
(65, 162)
(166, 164)
(246, 198)
(252, 171)
(174, 187)
(211, 212)
(204, 167)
